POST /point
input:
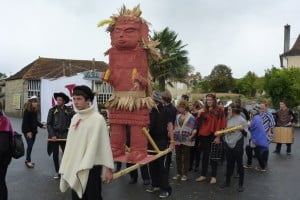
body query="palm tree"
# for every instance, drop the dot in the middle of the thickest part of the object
(174, 62)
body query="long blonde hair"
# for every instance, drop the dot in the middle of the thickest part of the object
(28, 106)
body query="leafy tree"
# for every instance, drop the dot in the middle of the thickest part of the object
(247, 84)
(204, 85)
(174, 64)
(194, 81)
(2, 75)
(220, 79)
(260, 84)
(283, 84)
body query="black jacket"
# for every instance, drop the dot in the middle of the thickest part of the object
(58, 121)
(30, 122)
(159, 119)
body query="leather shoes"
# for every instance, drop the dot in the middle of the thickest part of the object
(29, 164)
(132, 181)
(201, 178)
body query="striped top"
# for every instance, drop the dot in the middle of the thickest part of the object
(268, 121)
(183, 130)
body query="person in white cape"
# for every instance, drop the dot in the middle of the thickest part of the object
(88, 154)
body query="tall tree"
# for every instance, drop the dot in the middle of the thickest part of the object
(174, 64)
(247, 84)
(220, 79)
(2, 75)
(283, 84)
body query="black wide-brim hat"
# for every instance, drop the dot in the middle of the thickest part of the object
(62, 95)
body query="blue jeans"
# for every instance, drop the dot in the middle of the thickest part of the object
(30, 142)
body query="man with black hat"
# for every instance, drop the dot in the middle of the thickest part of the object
(58, 122)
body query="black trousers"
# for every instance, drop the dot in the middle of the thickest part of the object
(55, 152)
(159, 172)
(288, 147)
(30, 143)
(5, 158)
(262, 154)
(195, 154)
(233, 156)
(249, 153)
(144, 172)
(93, 188)
(205, 146)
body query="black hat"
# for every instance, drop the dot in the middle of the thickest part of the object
(84, 91)
(62, 95)
(156, 96)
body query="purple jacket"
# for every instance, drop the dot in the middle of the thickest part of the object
(258, 134)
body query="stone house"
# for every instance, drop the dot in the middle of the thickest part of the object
(290, 57)
(27, 82)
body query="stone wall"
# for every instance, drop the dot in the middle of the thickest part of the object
(294, 61)
(13, 89)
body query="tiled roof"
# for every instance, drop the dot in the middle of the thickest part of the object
(55, 68)
(295, 51)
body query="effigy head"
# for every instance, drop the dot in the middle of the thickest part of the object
(128, 30)
(128, 33)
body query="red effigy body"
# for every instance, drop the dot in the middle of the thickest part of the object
(128, 65)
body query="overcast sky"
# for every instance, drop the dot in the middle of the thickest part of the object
(242, 34)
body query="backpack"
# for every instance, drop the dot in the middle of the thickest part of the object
(18, 149)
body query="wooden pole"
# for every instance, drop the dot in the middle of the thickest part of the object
(151, 140)
(57, 140)
(137, 165)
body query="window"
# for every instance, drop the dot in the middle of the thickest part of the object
(34, 88)
(104, 91)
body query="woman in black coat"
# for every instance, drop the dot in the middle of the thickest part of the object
(6, 134)
(29, 127)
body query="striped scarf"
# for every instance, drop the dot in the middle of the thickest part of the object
(284, 117)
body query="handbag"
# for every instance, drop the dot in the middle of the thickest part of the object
(18, 149)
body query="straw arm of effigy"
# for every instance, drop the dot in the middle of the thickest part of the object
(228, 130)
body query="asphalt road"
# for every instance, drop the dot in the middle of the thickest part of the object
(280, 182)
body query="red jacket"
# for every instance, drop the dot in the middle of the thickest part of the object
(212, 121)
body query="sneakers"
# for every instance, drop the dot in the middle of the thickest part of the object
(152, 189)
(201, 178)
(277, 152)
(288, 153)
(164, 195)
(183, 178)
(260, 169)
(176, 177)
(56, 176)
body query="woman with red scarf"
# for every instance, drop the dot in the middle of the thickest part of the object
(211, 119)
(6, 135)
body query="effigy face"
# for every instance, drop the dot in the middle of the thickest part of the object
(126, 35)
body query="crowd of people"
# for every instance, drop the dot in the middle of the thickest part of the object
(187, 129)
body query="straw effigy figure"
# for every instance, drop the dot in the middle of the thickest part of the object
(128, 73)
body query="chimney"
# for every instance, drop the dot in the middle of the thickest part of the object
(287, 30)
